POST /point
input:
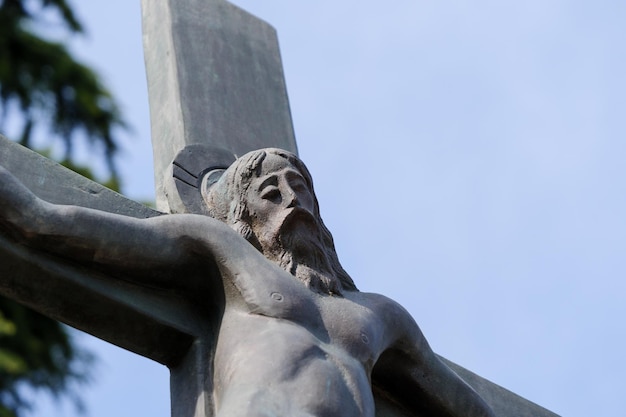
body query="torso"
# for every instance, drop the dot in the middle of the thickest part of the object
(286, 351)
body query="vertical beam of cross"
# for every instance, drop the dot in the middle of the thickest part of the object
(215, 77)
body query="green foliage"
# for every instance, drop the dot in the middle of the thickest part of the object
(48, 85)
(50, 89)
(38, 352)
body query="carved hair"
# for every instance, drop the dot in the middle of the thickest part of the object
(226, 202)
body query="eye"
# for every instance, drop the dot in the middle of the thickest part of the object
(270, 193)
(299, 186)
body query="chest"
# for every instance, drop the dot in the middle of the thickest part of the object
(352, 323)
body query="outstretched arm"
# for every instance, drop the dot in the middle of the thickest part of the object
(150, 248)
(411, 373)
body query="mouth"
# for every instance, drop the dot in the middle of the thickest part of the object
(299, 231)
(298, 220)
(298, 213)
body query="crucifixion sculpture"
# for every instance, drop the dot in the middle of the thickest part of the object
(241, 293)
(293, 335)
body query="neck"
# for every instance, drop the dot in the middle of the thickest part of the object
(314, 271)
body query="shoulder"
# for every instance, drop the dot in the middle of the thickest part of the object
(192, 225)
(397, 321)
(202, 234)
(378, 303)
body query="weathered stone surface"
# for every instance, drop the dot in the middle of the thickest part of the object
(57, 184)
(260, 327)
(503, 402)
(215, 77)
(145, 321)
(190, 167)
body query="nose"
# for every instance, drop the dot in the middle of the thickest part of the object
(291, 197)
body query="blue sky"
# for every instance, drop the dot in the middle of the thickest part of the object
(469, 160)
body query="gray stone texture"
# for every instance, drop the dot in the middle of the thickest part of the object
(215, 77)
(57, 184)
(503, 402)
(167, 325)
(113, 310)
(146, 320)
(216, 90)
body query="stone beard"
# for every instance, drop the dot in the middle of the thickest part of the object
(295, 237)
(301, 252)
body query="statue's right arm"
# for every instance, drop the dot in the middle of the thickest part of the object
(139, 247)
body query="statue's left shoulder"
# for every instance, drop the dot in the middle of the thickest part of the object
(378, 303)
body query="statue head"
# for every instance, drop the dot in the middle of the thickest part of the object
(267, 196)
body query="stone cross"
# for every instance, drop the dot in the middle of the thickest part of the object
(215, 79)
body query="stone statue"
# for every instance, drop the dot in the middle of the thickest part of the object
(296, 337)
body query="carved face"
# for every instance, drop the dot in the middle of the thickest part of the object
(279, 197)
(267, 197)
